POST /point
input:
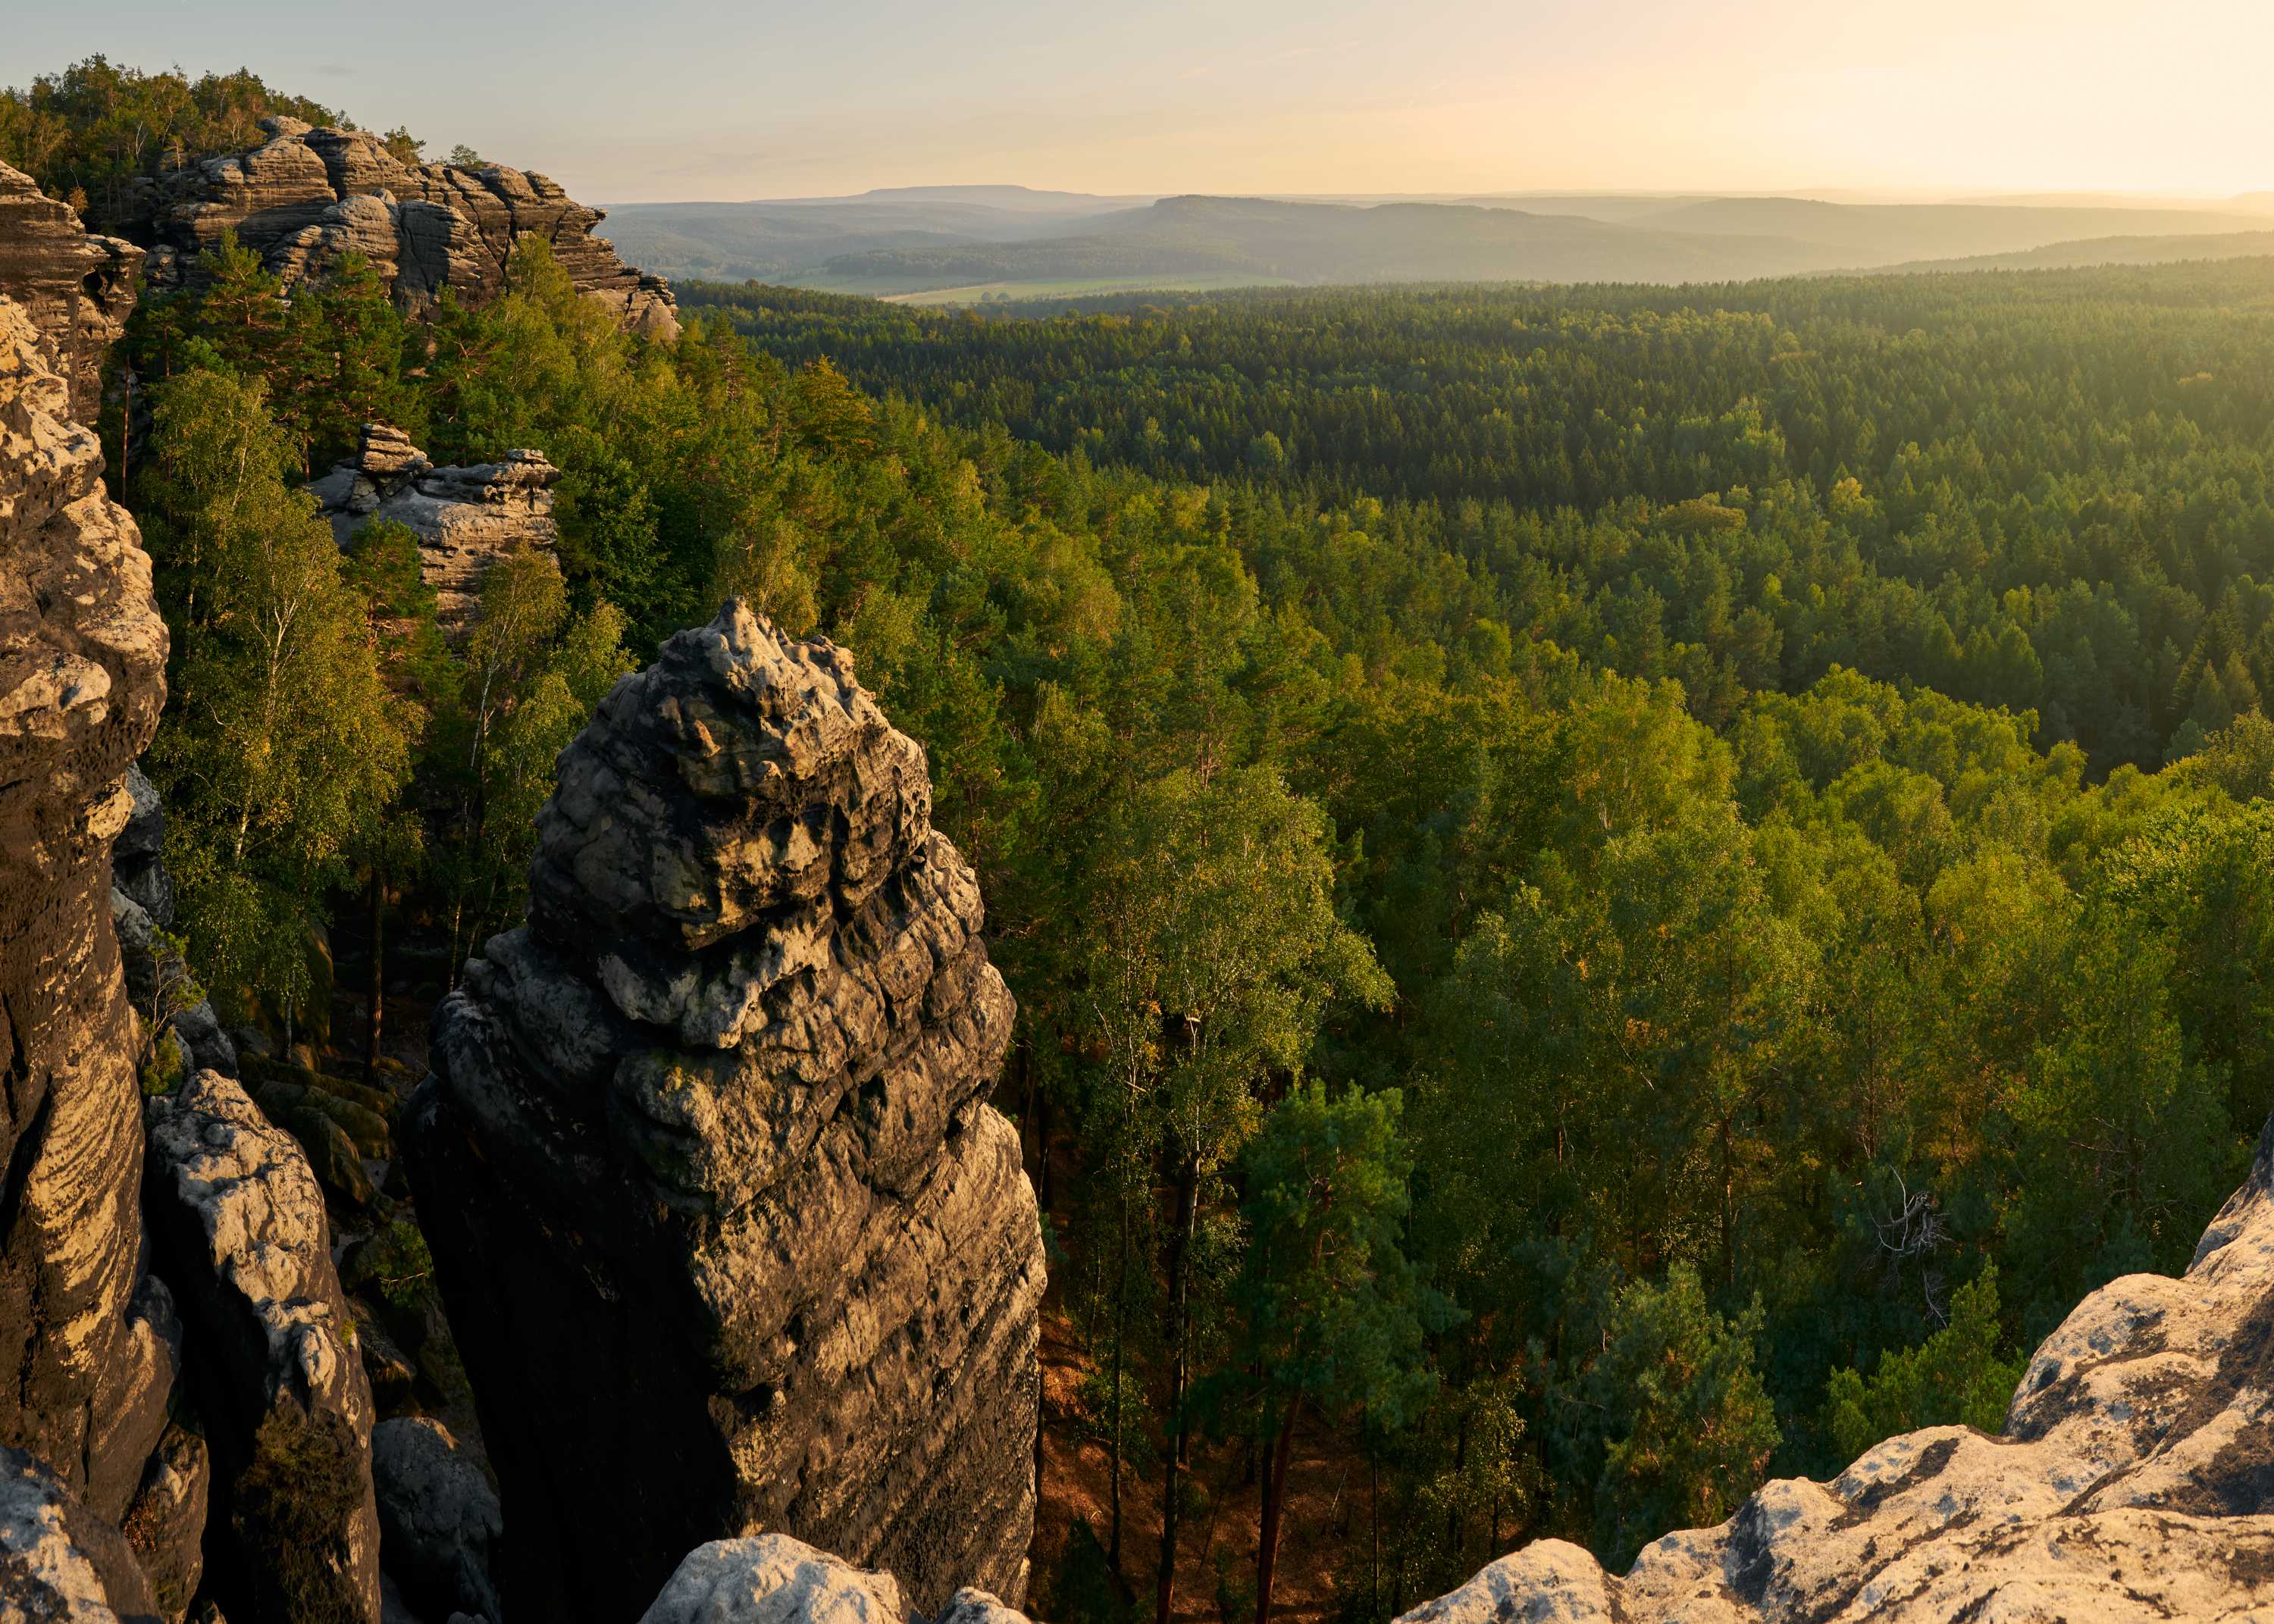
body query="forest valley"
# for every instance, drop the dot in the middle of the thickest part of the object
(1612, 890)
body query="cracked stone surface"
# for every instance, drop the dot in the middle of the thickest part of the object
(730, 1239)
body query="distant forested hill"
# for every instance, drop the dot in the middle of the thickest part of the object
(903, 243)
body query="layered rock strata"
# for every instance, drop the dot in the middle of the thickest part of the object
(730, 1241)
(85, 1347)
(305, 197)
(77, 289)
(240, 1229)
(465, 518)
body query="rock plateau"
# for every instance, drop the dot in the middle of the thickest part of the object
(305, 196)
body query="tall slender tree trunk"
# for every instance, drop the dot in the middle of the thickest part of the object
(1275, 1498)
(1180, 1240)
(375, 1010)
(1120, 1342)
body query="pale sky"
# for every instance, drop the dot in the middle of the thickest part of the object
(623, 100)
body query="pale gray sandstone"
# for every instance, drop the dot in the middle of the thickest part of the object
(465, 518)
(240, 1233)
(439, 1524)
(730, 1240)
(305, 197)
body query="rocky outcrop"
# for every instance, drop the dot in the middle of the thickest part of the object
(2134, 1479)
(305, 197)
(465, 518)
(238, 1226)
(58, 1561)
(729, 1238)
(440, 1522)
(86, 1355)
(773, 1579)
(77, 289)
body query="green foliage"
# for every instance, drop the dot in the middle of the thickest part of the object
(284, 737)
(86, 133)
(1955, 1377)
(1702, 755)
(1694, 1428)
(1332, 1313)
(292, 1502)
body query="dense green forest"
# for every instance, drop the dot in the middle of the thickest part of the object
(1590, 877)
(2049, 492)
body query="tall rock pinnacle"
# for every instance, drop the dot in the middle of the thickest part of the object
(85, 1352)
(730, 1239)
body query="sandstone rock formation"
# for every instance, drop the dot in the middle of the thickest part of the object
(77, 289)
(57, 1561)
(85, 1355)
(729, 1238)
(307, 196)
(238, 1224)
(465, 518)
(439, 1520)
(773, 1579)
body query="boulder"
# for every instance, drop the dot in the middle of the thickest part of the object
(305, 197)
(773, 1579)
(238, 1227)
(705, 1160)
(59, 1560)
(83, 1368)
(439, 1519)
(465, 518)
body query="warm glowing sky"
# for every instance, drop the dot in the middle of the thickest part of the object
(660, 98)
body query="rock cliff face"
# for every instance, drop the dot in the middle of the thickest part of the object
(77, 289)
(465, 518)
(307, 196)
(730, 1240)
(85, 1353)
(241, 1232)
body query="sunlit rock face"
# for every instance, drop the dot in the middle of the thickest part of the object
(730, 1239)
(77, 289)
(86, 1345)
(305, 197)
(466, 519)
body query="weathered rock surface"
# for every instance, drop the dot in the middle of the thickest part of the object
(773, 1579)
(2135, 1480)
(84, 1366)
(465, 518)
(239, 1231)
(58, 1561)
(305, 197)
(77, 289)
(439, 1524)
(705, 1161)
(165, 1523)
